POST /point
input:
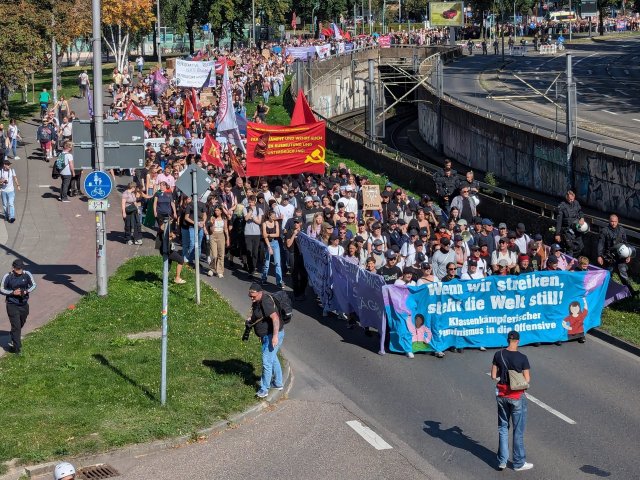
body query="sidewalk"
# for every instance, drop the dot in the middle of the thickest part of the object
(56, 240)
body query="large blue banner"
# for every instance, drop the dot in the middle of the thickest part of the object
(542, 306)
(317, 261)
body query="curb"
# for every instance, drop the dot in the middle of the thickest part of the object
(615, 341)
(32, 471)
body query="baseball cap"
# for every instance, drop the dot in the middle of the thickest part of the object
(376, 225)
(406, 270)
(424, 232)
(462, 221)
(361, 222)
(420, 257)
(512, 234)
(477, 220)
(308, 198)
(522, 257)
(418, 243)
(552, 259)
(297, 220)
(537, 237)
(457, 238)
(402, 222)
(426, 197)
(503, 263)
(17, 263)
(359, 238)
(335, 235)
(555, 247)
(474, 247)
(425, 265)
(377, 241)
(444, 241)
(390, 254)
(513, 335)
(388, 184)
(502, 225)
(487, 221)
(472, 263)
(413, 232)
(521, 227)
(326, 225)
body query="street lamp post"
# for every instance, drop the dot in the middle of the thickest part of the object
(159, 36)
(253, 23)
(515, 35)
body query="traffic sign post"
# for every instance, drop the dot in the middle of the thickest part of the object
(98, 205)
(98, 185)
(191, 182)
(123, 144)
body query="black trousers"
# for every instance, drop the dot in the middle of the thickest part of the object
(299, 277)
(17, 317)
(132, 227)
(252, 243)
(623, 271)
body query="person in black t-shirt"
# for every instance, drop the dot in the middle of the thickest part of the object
(265, 320)
(299, 277)
(390, 271)
(512, 404)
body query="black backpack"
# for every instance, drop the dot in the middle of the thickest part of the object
(283, 304)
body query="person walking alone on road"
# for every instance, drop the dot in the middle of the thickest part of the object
(495, 47)
(16, 286)
(8, 183)
(484, 47)
(512, 404)
(265, 320)
(131, 215)
(13, 136)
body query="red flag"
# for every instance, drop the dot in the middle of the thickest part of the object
(188, 112)
(302, 113)
(235, 163)
(293, 21)
(211, 152)
(133, 112)
(195, 101)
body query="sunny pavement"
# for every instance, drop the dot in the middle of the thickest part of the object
(56, 240)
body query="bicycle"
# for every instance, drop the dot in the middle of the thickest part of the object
(44, 107)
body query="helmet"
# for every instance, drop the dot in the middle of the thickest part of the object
(62, 470)
(582, 227)
(625, 251)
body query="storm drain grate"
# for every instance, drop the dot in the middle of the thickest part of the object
(97, 472)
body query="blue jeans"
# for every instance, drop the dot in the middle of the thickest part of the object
(14, 146)
(189, 245)
(276, 260)
(266, 96)
(7, 204)
(271, 369)
(516, 411)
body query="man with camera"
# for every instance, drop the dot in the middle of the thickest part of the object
(16, 286)
(610, 255)
(266, 323)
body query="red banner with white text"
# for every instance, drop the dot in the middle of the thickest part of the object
(285, 150)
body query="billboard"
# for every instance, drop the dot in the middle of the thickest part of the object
(446, 14)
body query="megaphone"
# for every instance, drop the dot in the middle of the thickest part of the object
(624, 251)
(475, 199)
(466, 236)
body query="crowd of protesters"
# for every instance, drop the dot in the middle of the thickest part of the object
(252, 224)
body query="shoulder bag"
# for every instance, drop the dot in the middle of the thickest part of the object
(516, 379)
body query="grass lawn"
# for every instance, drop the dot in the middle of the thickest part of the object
(82, 386)
(622, 319)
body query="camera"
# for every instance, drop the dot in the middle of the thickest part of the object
(247, 332)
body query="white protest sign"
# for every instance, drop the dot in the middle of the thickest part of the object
(194, 74)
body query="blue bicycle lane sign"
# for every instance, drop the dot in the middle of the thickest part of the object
(98, 185)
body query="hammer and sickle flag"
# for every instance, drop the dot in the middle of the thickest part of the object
(317, 156)
(211, 152)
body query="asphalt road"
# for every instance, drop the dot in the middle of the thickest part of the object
(444, 412)
(608, 80)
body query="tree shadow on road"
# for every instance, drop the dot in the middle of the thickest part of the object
(234, 367)
(455, 437)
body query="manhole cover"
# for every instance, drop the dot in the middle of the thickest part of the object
(96, 472)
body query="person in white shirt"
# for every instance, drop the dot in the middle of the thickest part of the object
(334, 246)
(472, 272)
(481, 263)
(13, 135)
(407, 278)
(349, 202)
(284, 211)
(66, 173)
(522, 239)
(8, 183)
(503, 253)
(83, 83)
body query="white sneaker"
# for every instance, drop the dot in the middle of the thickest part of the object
(526, 466)
(210, 273)
(16, 157)
(410, 355)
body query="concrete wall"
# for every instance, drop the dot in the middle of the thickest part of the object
(603, 182)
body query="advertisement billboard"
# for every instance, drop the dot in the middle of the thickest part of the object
(446, 14)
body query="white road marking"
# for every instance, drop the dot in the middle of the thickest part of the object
(4, 235)
(549, 409)
(636, 119)
(44, 186)
(369, 435)
(605, 95)
(607, 111)
(580, 83)
(622, 92)
(626, 72)
(591, 88)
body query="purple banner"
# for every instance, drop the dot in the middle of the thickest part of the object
(302, 53)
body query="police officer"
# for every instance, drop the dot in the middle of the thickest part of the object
(446, 185)
(16, 286)
(569, 214)
(610, 237)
